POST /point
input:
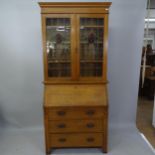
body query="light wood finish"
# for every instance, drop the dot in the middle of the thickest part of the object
(44, 48)
(75, 107)
(75, 95)
(76, 126)
(74, 10)
(76, 140)
(105, 132)
(70, 16)
(55, 10)
(105, 48)
(47, 146)
(76, 112)
(74, 50)
(105, 36)
(76, 7)
(94, 80)
(74, 4)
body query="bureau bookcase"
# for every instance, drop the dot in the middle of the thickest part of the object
(75, 40)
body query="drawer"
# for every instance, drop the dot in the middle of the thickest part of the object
(75, 113)
(76, 126)
(76, 140)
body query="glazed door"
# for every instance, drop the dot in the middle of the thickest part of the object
(58, 46)
(91, 46)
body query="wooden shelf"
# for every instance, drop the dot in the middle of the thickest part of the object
(57, 26)
(90, 67)
(85, 42)
(91, 61)
(91, 26)
(58, 68)
(59, 61)
(63, 42)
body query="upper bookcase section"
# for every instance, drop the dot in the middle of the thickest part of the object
(74, 7)
(75, 42)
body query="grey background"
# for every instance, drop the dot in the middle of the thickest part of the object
(21, 67)
(21, 76)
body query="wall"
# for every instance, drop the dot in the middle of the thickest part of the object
(21, 91)
(125, 43)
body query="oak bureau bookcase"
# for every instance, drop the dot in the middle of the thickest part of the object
(75, 40)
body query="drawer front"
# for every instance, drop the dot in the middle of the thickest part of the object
(75, 113)
(76, 126)
(76, 140)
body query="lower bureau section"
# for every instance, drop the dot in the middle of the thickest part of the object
(76, 140)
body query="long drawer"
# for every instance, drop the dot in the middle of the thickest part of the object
(75, 113)
(76, 126)
(76, 140)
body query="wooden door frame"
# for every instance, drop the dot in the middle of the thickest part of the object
(72, 42)
(105, 45)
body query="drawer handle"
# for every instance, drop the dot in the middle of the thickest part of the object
(90, 139)
(62, 140)
(61, 125)
(90, 112)
(61, 113)
(90, 125)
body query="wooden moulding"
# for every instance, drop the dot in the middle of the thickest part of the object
(75, 4)
(74, 7)
(50, 82)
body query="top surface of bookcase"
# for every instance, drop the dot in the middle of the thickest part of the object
(75, 4)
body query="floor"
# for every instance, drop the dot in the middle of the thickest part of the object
(144, 119)
(122, 141)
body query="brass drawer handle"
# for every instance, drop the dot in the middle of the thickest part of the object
(90, 112)
(90, 139)
(61, 125)
(90, 125)
(62, 140)
(61, 113)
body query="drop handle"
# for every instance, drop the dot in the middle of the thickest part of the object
(62, 139)
(90, 139)
(61, 113)
(90, 112)
(90, 125)
(61, 125)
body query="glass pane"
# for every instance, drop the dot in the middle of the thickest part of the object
(58, 47)
(91, 46)
(91, 21)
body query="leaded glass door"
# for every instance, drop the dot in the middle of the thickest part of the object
(59, 47)
(91, 45)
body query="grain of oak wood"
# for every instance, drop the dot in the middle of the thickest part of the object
(75, 107)
(76, 140)
(73, 112)
(75, 126)
(67, 12)
(75, 95)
